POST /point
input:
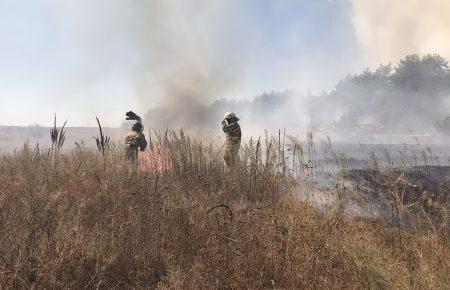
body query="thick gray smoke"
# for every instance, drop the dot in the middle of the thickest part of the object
(189, 61)
(191, 53)
(413, 95)
(188, 52)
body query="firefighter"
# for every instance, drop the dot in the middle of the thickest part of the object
(232, 130)
(135, 139)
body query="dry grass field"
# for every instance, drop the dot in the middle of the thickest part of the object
(83, 219)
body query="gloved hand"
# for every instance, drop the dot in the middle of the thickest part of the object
(132, 116)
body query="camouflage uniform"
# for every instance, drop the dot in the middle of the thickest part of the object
(232, 143)
(134, 141)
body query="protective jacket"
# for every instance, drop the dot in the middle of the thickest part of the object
(133, 142)
(233, 141)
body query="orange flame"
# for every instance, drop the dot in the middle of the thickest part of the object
(156, 160)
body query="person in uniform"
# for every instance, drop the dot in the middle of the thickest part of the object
(232, 130)
(135, 141)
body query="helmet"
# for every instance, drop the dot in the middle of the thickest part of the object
(229, 115)
(137, 127)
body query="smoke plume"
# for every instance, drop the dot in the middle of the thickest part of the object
(388, 29)
(194, 52)
(188, 52)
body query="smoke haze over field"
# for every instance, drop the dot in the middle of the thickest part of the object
(410, 96)
(83, 59)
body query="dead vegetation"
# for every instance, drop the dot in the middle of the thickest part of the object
(92, 221)
(418, 197)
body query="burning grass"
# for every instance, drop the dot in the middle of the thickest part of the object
(87, 220)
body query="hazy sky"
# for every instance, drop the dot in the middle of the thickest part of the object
(87, 58)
